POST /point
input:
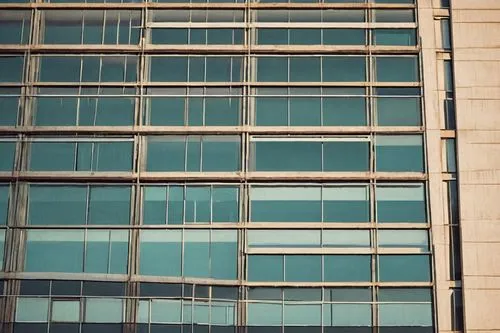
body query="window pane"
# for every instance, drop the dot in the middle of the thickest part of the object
(393, 15)
(9, 106)
(7, 151)
(104, 310)
(400, 204)
(223, 254)
(404, 315)
(166, 153)
(346, 156)
(109, 205)
(52, 156)
(166, 311)
(196, 253)
(11, 68)
(265, 268)
(344, 69)
(160, 253)
(14, 26)
(221, 153)
(272, 69)
(400, 111)
(271, 111)
(265, 314)
(399, 153)
(347, 315)
(168, 69)
(113, 156)
(32, 309)
(346, 238)
(305, 111)
(305, 69)
(404, 268)
(4, 203)
(285, 204)
(284, 238)
(343, 268)
(344, 111)
(287, 156)
(2, 246)
(396, 69)
(344, 36)
(54, 251)
(106, 252)
(66, 311)
(303, 268)
(346, 204)
(399, 37)
(56, 111)
(59, 69)
(302, 315)
(225, 204)
(404, 239)
(57, 205)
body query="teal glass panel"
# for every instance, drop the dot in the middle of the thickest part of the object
(193, 155)
(169, 69)
(160, 252)
(222, 69)
(406, 315)
(305, 69)
(225, 204)
(15, 26)
(393, 15)
(287, 156)
(448, 76)
(9, 106)
(113, 156)
(7, 151)
(303, 315)
(451, 159)
(303, 268)
(357, 317)
(402, 268)
(348, 295)
(106, 111)
(91, 69)
(344, 36)
(93, 32)
(265, 268)
(54, 251)
(224, 36)
(175, 213)
(221, 153)
(109, 205)
(285, 204)
(2, 245)
(165, 311)
(347, 268)
(271, 111)
(195, 111)
(400, 204)
(346, 156)
(396, 69)
(166, 111)
(84, 159)
(305, 36)
(269, 315)
(56, 111)
(344, 69)
(97, 251)
(404, 295)
(196, 253)
(118, 256)
(197, 205)
(166, 154)
(197, 66)
(272, 36)
(197, 36)
(57, 205)
(398, 111)
(344, 111)
(32, 309)
(222, 111)
(62, 31)
(417, 239)
(272, 69)
(4, 203)
(346, 204)
(110, 32)
(52, 156)
(103, 310)
(11, 68)
(305, 111)
(60, 69)
(224, 254)
(399, 153)
(154, 205)
(394, 37)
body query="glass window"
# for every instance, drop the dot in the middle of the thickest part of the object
(344, 36)
(305, 69)
(346, 238)
(65, 311)
(32, 309)
(103, 310)
(448, 75)
(400, 203)
(283, 238)
(272, 69)
(9, 104)
(405, 315)
(450, 153)
(4, 203)
(445, 34)
(15, 26)
(399, 153)
(303, 268)
(346, 154)
(342, 15)
(7, 151)
(394, 37)
(398, 111)
(265, 268)
(196, 253)
(344, 69)
(401, 268)
(265, 314)
(166, 311)
(160, 252)
(109, 205)
(302, 315)
(106, 251)
(11, 68)
(393, 15)
(397, 69)
(346, 204)
(223, 254)
(285, 204)
(347, 316)
(2, 246)
(344, 268)
(344, 111)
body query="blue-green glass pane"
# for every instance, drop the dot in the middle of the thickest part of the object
(119, 252)
(15, 27)
(11, 68)
(166, 154)
(396, 37)
(272, 69)
(175, 211)
(221, 154)
(91, 69)
(218, 69)
(223, 255)
(271, 111)
(154, 205)
(305, 36)
(197, 204)
(84, 157)
(265, 268)
(272, 36)
(109, 205)
(414, 316)
(398, 111)
(167, 111)
(97, 252)
(346, 204)
(346, 156)
(61, 32)
(305, 111)
(160, 253)
(303, 268)
(54, 251)
(222, 111)
(169, 69)
(115, 112)
(57, 205)
(401, 204)
(114, 156)
(60, 69)
(196, 253)
(396, 69)
(52, 156)
(7, 152)
(56, 111)
(195, 111)
(287, 156)
(225, 204)
(347, 268)
(118, 69)
(399, 153)
(193, 155)
(403, 268)
(219, 36)
(4, 204)
(9, 106)
(305, 69)
(344, 69)
(344, 111)
(344, 36)
(169, 36)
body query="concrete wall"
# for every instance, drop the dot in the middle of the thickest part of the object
(476, 24)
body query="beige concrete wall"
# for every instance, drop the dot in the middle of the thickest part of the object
(476, 24)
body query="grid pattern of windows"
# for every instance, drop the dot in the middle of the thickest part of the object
(193, 167)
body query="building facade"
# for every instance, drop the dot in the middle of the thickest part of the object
(250, 166)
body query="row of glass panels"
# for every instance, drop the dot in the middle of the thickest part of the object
(188, 204)
(215, 107)
(311, 68)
